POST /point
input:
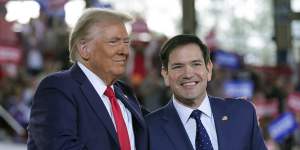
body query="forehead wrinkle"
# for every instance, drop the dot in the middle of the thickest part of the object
(100, 28)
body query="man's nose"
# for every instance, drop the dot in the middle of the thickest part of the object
(124, 49)
(188, 72)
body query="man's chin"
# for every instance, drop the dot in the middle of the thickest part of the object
(187, 97)
(190, 98)
(119, 73)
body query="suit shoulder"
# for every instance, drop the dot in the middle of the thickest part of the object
(240, 105)
(61, 76)
(240, 102)
(234, 103)
(58, 80)
(155, 115)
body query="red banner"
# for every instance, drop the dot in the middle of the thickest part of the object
(10, 55)
(266, 109)
(293, 102)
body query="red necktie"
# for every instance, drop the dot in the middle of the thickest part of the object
(119, 121)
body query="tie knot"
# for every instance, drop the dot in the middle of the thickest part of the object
(109, 92)
(196, 114)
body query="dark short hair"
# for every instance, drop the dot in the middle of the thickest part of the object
(180, 40)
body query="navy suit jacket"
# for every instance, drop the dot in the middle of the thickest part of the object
(239, 132)
(68, 114)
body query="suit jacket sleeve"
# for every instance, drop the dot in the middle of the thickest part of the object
(53, 124)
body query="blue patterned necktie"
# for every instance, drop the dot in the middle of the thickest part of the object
(202, 141)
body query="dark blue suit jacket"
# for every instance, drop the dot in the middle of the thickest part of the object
(68, 114)
(239, 132)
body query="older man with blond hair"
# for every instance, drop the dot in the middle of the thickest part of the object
(86, 107)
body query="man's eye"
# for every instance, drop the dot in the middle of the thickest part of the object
(176, 67)
(197, 64)
(113, 41)
(126, 41)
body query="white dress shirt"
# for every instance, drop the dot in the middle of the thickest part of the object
(100, 87)
(189, 124)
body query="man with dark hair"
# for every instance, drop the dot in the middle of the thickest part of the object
(192, 119)
(86, 107)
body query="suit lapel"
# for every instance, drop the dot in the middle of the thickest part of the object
(221, 122)
(94, 100)
(174, 128)
(139, 124)
(130, 105)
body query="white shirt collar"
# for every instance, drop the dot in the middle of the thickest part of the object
(205, 107)
(184, 112)
(97, 82)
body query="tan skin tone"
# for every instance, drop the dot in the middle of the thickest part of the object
(105, 51)
(187, 75)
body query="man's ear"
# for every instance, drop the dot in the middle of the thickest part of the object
(164, 73)
(209, 68)
(83, 51)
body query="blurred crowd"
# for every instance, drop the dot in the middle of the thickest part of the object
(29, 52)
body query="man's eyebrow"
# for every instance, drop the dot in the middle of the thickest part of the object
(198, 60)
(118, 38)
(193, 61)
(176, 63)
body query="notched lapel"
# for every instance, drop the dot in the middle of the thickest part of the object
(139, 123)
(99, 108)
(222, 121)
(131, 106)
(94, 100)
(175, 129)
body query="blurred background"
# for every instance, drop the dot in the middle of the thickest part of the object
(255, 47)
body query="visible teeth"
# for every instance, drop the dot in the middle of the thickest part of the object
(121, 61)
(189, 83)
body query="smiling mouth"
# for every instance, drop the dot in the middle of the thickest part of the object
(192, 83)
(121, 61)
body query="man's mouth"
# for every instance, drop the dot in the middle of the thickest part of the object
(123, 61)
(190, 83)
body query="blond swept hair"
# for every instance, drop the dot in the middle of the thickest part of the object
(86, 21)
